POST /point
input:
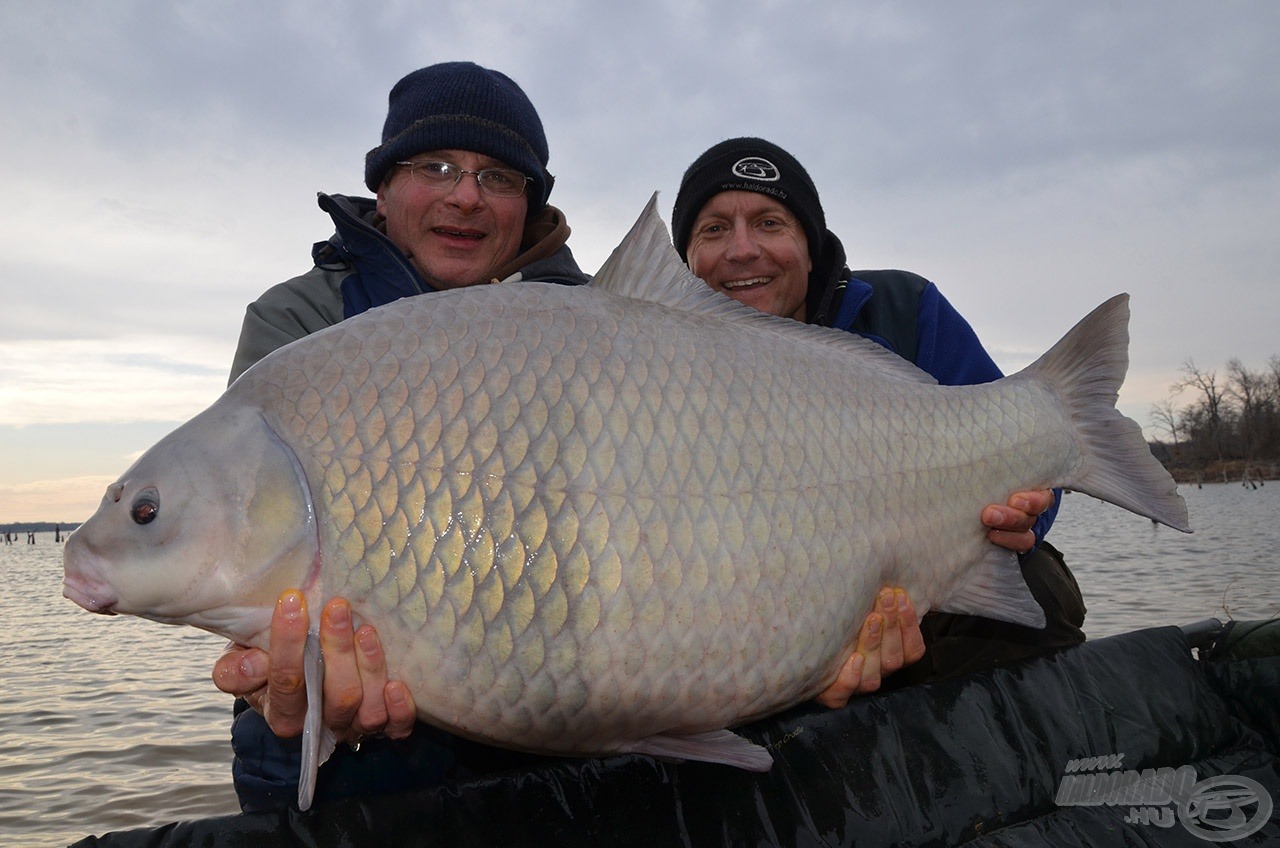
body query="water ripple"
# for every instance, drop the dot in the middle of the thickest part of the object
(108, 723)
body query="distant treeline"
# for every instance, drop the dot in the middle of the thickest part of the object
(1221, 427)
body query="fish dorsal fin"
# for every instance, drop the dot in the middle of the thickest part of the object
(645, 266)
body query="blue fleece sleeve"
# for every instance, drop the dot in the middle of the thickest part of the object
(948, 348)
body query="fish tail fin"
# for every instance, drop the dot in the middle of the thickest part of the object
(1086, 368)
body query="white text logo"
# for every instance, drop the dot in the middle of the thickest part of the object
(1218, 809)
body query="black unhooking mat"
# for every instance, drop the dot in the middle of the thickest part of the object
(1041, 753)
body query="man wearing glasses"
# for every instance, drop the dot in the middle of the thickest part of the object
(462, 183)
(461, 186)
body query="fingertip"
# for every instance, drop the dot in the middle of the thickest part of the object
(337, 614)
(253, 666)
(891, 611)
(367, 639)
(909, 616)
(399, 699)
(291, 604)
(400, 709)
(371, 657)
(226, 675)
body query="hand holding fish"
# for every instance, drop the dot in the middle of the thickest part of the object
(1010, 525)
(890, 640)
(359, 701)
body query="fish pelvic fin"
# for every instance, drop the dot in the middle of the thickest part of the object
(1085, 369)
(995, 588)
(715, 746)
(318, 741)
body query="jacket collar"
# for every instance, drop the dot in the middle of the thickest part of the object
(384, 274)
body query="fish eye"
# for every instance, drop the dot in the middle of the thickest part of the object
(146, 506)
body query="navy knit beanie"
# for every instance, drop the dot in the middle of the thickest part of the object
(462, 106)
(748, 164)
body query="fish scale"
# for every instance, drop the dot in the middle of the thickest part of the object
(616, 518)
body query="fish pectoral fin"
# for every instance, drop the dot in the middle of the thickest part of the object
(318, 741)
(995, 588)
(715, 746)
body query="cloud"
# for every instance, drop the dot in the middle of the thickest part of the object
(162, 159)
(153, 378)
(69, 500)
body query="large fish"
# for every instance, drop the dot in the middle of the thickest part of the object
(616, 518)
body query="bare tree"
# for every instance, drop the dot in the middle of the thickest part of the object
(1165, 419)
(1248, 389)
(1232, 419)
(1207, 413)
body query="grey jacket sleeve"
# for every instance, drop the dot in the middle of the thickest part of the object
(286, 313)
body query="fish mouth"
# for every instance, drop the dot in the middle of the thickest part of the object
(86, 594)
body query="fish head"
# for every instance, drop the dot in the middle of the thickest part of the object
(207, 528)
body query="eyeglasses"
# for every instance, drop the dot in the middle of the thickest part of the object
(499, 182)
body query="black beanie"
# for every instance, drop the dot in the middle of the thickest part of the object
(462, 106)
(748, 164)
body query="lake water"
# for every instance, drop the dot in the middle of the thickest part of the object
(110, 723)
(1137, 574)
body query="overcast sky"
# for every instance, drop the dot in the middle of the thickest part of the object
(162, 159)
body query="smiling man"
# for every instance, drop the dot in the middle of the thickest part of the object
(462, 184)
(455, 231)
(748, 220)
(752, 247)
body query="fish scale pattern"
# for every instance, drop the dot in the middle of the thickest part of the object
(577, 524)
